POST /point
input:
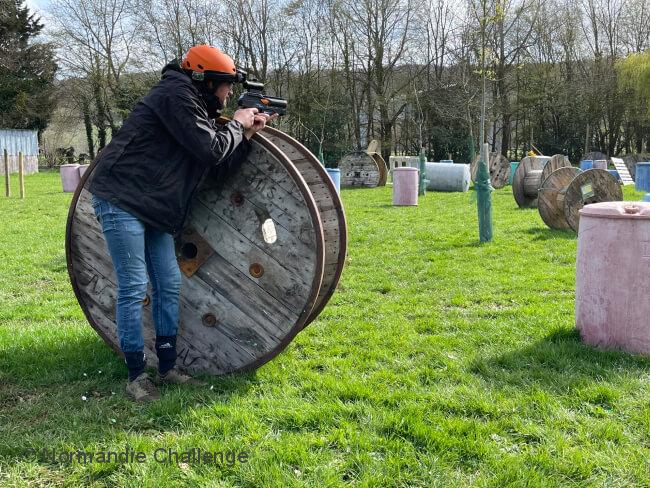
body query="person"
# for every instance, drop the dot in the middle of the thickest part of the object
(142, 188)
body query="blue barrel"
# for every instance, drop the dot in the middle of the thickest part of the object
(614, 173)
(586, 164)
(646, 198)
(335, 174)
(643, 176)
(513, 168)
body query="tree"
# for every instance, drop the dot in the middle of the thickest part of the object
(27, 69)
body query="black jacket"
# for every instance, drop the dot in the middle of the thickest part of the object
(165, 148)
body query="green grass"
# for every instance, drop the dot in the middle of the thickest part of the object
(438, 362)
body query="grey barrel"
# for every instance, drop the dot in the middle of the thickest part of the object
(448, 177)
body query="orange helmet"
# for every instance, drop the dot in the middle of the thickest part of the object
(209, 63)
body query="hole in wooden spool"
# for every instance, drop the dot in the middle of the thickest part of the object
(146, 301)
(357, 174)
(237, 199)
(209, 320)
(189, 250)
(268, 231)
(256, 270)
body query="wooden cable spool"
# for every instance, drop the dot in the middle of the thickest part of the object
(550, 202)
(252, 255)
(329, 205)
(381, 164)
(499, 169)
(591, 186)
(529, 176)
(359, 169)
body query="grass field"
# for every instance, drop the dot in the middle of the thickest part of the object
(438, 362)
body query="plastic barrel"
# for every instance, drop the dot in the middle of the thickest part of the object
(600, 164)
(335, 174)
(586, 164)
(448, 161)
(609, 312)
(70, 177)
(643, 176)
(82, 169)
(513, 168)
(448, 176)
(646, 198)
(405, 186)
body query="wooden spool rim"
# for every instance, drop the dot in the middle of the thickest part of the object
(546, 209)
(338, 205)
(381, 164)
(316, 282)
(556, 162)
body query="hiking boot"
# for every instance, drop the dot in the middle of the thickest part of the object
(142, 389)
(177, 377)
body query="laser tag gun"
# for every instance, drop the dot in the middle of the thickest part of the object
(254, 98)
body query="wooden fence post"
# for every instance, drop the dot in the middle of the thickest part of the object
(21, 174)
(7, 184)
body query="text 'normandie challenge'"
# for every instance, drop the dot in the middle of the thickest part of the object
(162, 455)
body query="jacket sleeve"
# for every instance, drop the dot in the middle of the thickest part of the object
(187, 120)
(232, 163)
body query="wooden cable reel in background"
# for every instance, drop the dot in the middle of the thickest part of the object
(567, 190)
(258, 256)
(359, 169)
(499, 169)
(529, 176)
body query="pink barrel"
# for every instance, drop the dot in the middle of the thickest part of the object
(82, 169)
(612, 270)
(70, 177)
(405, 186)
(600, 164)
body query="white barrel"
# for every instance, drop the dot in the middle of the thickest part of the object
(448, 177)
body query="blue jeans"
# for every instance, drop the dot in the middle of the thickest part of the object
(137, 250)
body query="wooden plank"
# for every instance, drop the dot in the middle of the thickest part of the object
(623, 173)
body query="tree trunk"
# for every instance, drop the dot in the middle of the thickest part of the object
(89, 128)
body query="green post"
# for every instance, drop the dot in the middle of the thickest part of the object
(422, 185)
(484, 189)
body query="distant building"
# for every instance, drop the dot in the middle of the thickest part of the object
(15, 141)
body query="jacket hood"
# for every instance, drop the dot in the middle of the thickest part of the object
(173, 66)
